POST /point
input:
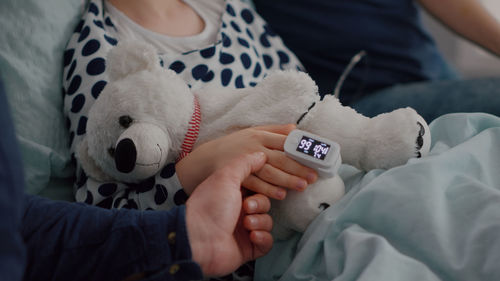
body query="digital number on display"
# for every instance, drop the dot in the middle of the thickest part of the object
(313, 147)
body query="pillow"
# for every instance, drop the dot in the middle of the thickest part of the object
(32, 41)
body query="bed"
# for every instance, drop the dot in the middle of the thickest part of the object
(435, 218)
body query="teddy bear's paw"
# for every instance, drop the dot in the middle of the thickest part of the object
(422, 136)
(419, 143)
(300, 208)
(395, 137)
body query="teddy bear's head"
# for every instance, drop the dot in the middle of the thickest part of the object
(131, 132)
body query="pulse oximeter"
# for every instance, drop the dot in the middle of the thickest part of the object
(313, 151)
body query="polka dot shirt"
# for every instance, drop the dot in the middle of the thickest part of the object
(245, 51)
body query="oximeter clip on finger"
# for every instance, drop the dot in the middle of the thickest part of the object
(313, 151)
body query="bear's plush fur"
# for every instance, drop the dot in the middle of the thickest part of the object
(140, 121)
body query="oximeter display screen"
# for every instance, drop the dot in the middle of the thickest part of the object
(313, 147)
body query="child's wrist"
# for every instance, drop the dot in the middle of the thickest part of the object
(185, 179)
(190, 172)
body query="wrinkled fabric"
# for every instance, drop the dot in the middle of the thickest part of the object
(435, 218)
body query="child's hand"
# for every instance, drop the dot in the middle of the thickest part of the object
(279, 172)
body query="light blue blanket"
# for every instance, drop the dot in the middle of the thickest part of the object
(436, 218)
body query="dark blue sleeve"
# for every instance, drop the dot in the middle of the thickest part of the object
(73, 241)
(12, 252)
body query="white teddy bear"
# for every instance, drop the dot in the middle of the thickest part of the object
(147, 116)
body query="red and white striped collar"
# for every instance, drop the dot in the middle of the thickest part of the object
(193, 131)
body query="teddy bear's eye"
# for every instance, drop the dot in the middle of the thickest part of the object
(111, 151)
(125, 121)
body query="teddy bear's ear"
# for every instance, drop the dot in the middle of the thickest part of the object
(88, 164)
(130, 57)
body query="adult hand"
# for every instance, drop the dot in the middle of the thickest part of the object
(279, 173)
(224, 231)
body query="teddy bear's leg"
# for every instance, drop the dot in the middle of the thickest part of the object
(299, 209)
(385, 141)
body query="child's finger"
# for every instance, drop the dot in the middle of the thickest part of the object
(278, 129)
(277, 177)
(272, 141)
(286, 164)
(256, 204)
(257, 185)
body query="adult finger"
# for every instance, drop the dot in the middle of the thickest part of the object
(258, 222)
(263, 242)
(256, 204)
(238, 169)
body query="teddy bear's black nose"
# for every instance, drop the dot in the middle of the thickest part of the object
(125, 156)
